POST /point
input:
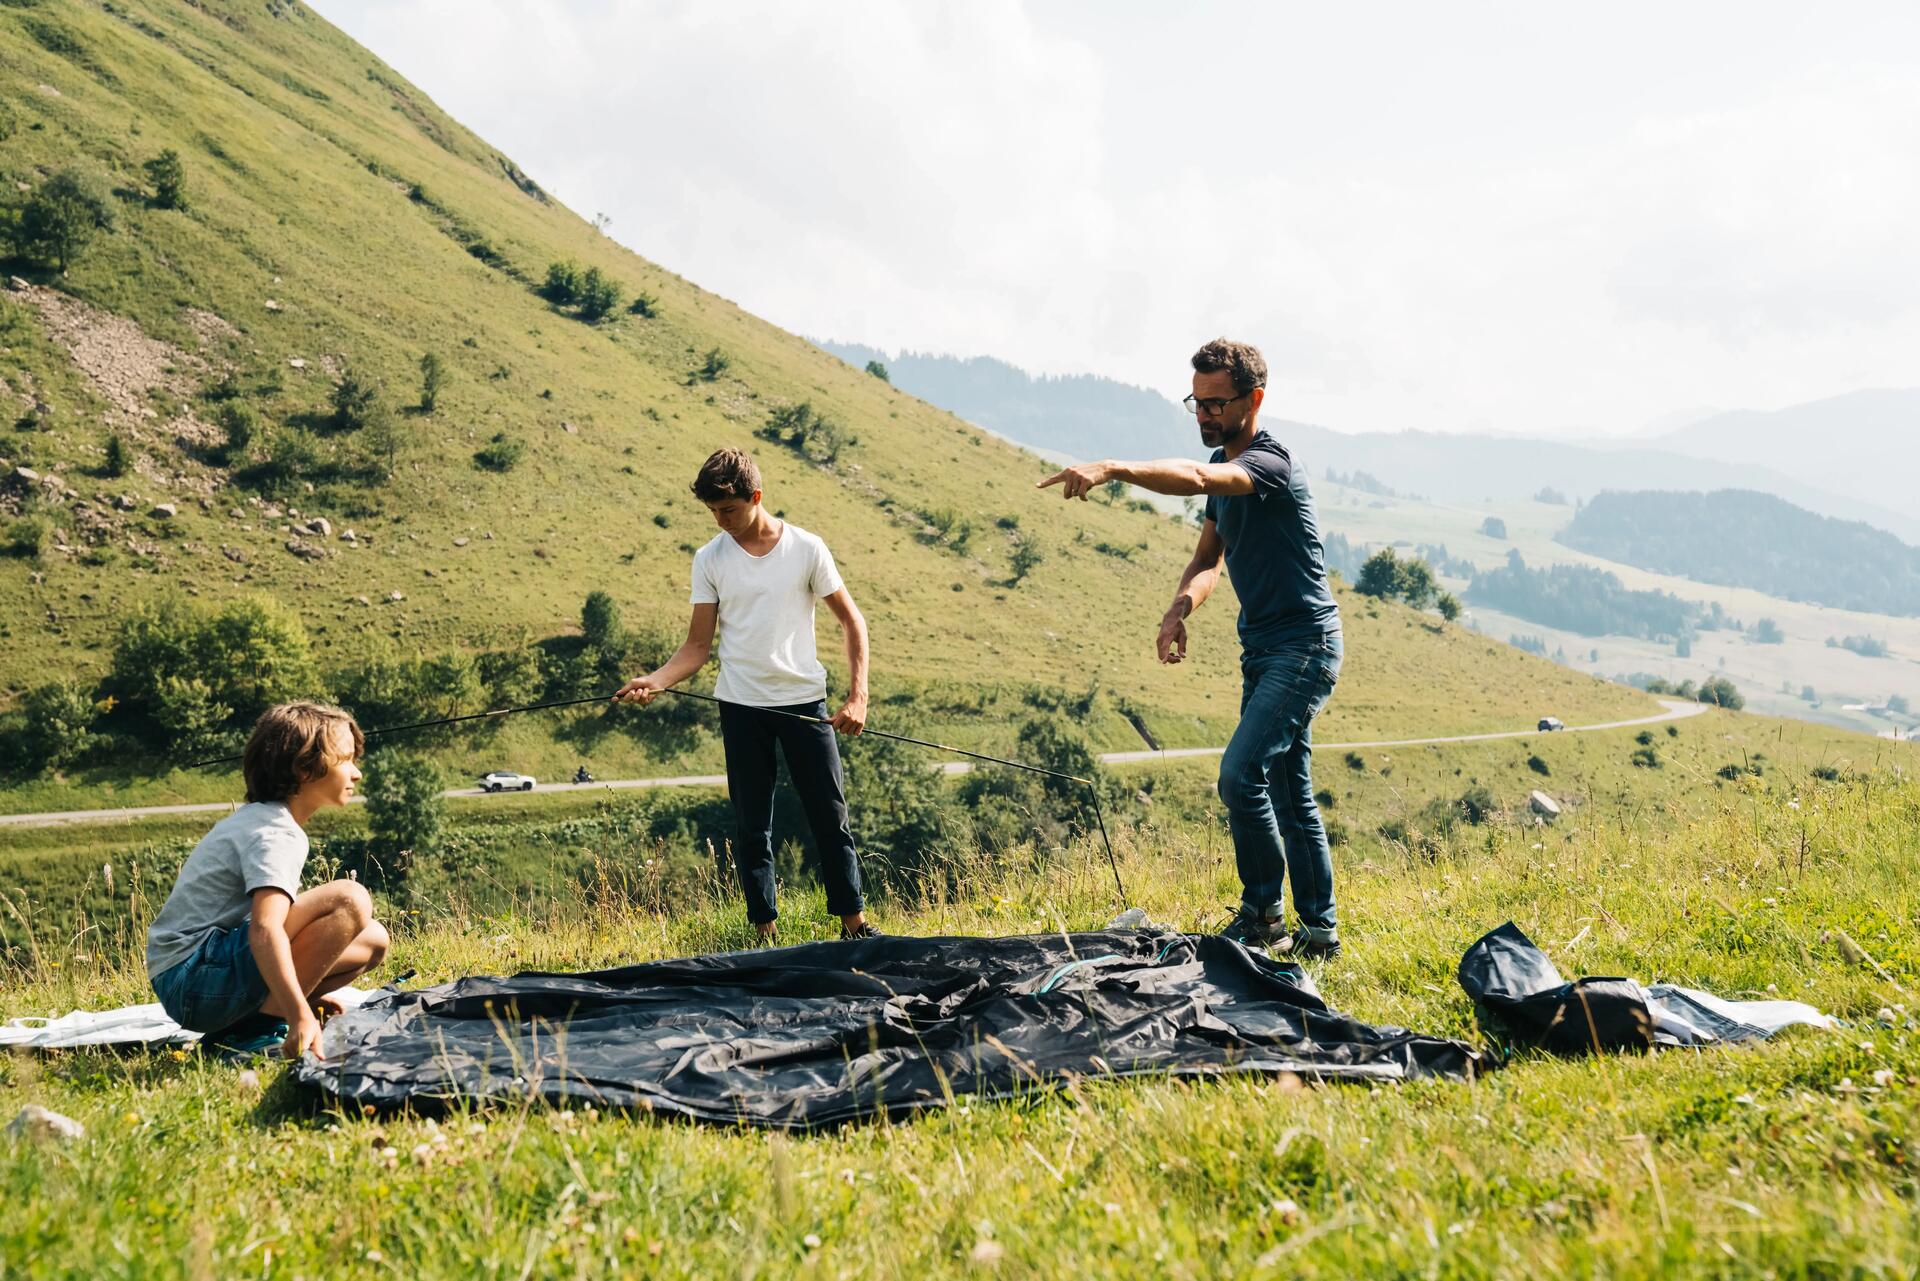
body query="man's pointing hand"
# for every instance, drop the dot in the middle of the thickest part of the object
(1080, 480)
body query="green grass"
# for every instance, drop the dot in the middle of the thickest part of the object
(1682, 1164)
(302, 153)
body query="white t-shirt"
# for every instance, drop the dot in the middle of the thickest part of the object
(765, 630)
(258, 846)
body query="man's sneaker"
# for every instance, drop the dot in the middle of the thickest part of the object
(1302, 946)
(864, 930)
(1250, 929)
(247, 1038)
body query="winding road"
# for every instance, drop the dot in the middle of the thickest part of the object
(1676, 710)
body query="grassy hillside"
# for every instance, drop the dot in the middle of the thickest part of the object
(338, 223)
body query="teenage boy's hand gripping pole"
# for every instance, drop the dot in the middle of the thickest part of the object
(698, 647)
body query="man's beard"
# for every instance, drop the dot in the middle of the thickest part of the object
(1214, 435)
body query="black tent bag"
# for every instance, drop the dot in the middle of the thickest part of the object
(825, 1033)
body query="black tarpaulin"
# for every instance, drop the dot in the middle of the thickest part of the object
(825, 1033)
(1520, 994)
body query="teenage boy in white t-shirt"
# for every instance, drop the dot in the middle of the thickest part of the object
(755, 584)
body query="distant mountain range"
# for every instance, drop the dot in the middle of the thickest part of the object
(1851, 457)
(1865, 443)
(1080, 416)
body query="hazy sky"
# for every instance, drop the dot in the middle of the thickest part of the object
(1517, 217)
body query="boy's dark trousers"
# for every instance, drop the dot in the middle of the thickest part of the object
(813, 762)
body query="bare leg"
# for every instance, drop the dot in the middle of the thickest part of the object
(334, 939)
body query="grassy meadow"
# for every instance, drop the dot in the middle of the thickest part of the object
(1678, 1164)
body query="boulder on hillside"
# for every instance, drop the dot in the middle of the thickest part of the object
(306, 551)
(164, 511)
(1543, 805)
(125, 502)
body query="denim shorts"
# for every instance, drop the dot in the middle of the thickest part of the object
(219, 984)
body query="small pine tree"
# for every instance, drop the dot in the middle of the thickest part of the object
(1449, 606)
(1026, 555)
(600, 621)
(716, 364)
(878, 370)
(433, 376)
(119, 457)
(645, 306)
(169, 178)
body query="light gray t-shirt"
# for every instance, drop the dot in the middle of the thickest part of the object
(256, 847)
(765, 623)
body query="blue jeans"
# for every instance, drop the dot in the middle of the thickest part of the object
(1266, 781)
(219, 984)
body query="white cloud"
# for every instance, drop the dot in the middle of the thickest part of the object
(1439, 218)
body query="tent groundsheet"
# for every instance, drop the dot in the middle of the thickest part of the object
(826, 1033)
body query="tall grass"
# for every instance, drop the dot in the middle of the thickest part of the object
(1787, 1159)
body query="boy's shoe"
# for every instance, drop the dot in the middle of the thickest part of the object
(1302, 946)
(247, 1038)
(864, 930)
(1250, 929)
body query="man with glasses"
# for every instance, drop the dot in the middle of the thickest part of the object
(1260, 522)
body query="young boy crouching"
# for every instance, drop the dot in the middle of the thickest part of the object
(238, 951)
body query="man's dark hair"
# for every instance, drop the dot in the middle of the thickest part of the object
(292, 745)
(727, 473)
(1242, 360)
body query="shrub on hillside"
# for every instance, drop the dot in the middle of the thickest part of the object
(251, 653)
(193, 721)
(1449, 606)
(501, 454)
(1538, 765)
(119, 458)
(60, 217)
(511, 677)
(1767, 632)
(600, 621)
(814, 437)
(1494, 527)
(1386, 576)
(644, 305)
(57, 725)
(1005, 808)
(168, 178)
(712, 366)
(950, 529)
(30, 537)
(1721, 692)
(356, 401)
(563, 283)
(598, 295)
(879, 371)
(1865, 646)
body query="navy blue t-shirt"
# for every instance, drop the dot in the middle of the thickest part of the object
(1274, 555)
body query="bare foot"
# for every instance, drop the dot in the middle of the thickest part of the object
(329, 1005)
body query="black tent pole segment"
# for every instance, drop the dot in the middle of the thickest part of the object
(1093, 791)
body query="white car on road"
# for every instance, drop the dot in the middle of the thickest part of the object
(502, 780)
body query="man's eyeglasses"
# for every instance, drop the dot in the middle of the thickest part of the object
(1213, 407)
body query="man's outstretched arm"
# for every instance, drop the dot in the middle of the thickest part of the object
(1202, 575)
(1179, 476)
